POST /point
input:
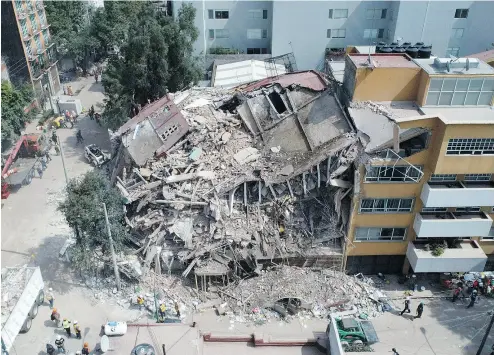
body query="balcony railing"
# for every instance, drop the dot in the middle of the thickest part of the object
(452, 224)
(458, 194)
(464, 257)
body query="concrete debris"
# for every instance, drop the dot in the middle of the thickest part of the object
(257, 180)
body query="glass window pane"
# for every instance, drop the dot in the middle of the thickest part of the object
(459, 98)
(406, 204)
(361, 233)
(366, 204)
(462, 84)
(399, 232)
(475, 84)
(449, 84)
(374, 232)
(436, 85)
(472, 98)
(488, 85)
(432, 98)
(446, 98)
(379, 205)
(392, 205)
(485, 98)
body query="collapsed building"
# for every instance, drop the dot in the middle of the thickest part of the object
(221, 183)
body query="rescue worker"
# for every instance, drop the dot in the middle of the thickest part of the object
(420, 310)
(91, 112)
(456, 294)
(407, 306)
(50, 298)
(85, 349)
(55, 316)
(54, 138)
(140, 301)
(162, 311)
(60, 343)
(79, 137)
(473, 297)
(177, 310)
(47, 155)
(57, 150)
(66, 326)
(77, 330)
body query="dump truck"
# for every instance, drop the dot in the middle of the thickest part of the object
(22, 294)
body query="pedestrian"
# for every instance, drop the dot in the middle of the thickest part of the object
(42, 161)
(473, 297)
(162, 311)
(140, 301)
(47, 155)
(50, 298)
(407, 306)
(57, 150)
(79, 137)
(39, 169)
(91, 112)
(50, 350)
(456, 294)
(55, 316)
(85, 349)
(420, 310)
(177, 309)
(60, 343)
(66, 326)
(394, 351)
(54, 137)
(96, 76)
(77, 330)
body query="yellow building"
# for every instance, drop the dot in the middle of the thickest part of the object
(425, 184)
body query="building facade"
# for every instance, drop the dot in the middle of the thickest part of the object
(27, 47)
(424, 197)
(307, 28)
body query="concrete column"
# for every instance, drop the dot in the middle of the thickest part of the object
(406, 267)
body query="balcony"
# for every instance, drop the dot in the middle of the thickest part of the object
(458, 194)
(452, 224)
(40, 5)
(467, 256)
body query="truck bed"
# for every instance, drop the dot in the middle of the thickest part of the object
(24, 167)
(14, 280)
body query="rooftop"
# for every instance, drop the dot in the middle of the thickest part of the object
(233, 74)
(431, 68)
(337, 69)
(383, 60)
(487, 56)
(310, 79)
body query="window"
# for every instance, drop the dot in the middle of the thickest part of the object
(255, 33)
(264, 33)
(455, 51)
(338, 13)
(477, 177)
(211, 34)
(393, 174)
(221, 14)
(264, 51)
(257, 51)
(457, 33)
(38, 43)
(376, 234)
(255, 14)
(443, 177)
(467, 209)
(328, 33)
(265, 14)
(386, 205)
(222, 33)
(25, 32)
(34, 23)
(461, 13)
(374, 33)
(460, 92)
(434, 209)
(473, 146)
(341, 33)
(375, 14)
(491, 234)
(210, 14)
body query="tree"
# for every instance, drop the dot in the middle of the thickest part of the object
(14, 115)
(156, 57)
(83, 211)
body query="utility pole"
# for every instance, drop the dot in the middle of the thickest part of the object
(481, 347)
(63, 160)
(113, 256)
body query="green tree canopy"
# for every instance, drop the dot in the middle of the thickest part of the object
(83, 210)
(14, 117)
(156, 57)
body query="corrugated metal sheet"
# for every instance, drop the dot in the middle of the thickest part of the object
(234, 74)
(310, 79)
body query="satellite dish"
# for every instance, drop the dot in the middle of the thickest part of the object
(104, 344)
(143, 349)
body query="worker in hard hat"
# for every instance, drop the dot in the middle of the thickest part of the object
(85, 349)
(162, 311)
(55, 316)
(77, 330)
(50, 298)
(140, 301)
(60, 343)
(66, 326)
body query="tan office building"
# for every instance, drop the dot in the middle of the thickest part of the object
(426, 179)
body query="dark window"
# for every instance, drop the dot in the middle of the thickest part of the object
(211, 14)
(264, 51)
(461, 13)
(254, 50)
(221, 14)
(380, 33)
(265, 14)
(264, 33)
(211, 34)
(328, 33)
(383, 14)
(330, 14)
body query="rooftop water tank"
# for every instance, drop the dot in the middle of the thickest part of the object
(406, 44)
(418, 44)
(413, 52)
(425, 53)
(386, 50)
(398, 50)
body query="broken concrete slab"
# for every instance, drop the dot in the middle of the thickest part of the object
(183, 230)
(246, 155)
(287, 170)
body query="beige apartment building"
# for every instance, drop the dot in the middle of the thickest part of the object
(426, 180)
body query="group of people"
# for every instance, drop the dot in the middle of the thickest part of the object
(66, 324)
(420, 308)
(93, 115)
(161, 310)
(44, 157)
